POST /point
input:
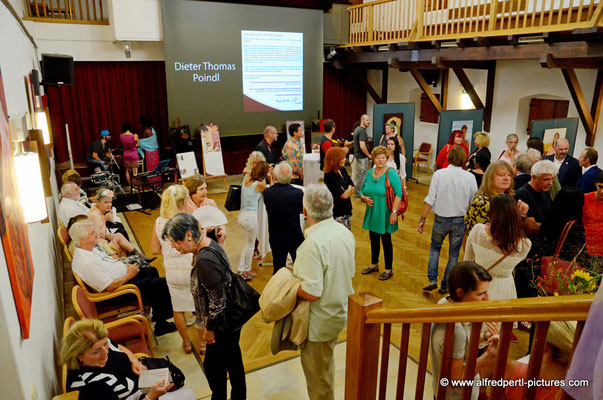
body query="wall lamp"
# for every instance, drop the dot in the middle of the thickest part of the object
(127, 48)
(29, 184)
(466, 103)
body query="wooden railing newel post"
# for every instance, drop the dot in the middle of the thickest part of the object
(362, 348)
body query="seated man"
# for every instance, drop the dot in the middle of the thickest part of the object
(96, 157)
(103, 273)
(467, 281)
(70, 205)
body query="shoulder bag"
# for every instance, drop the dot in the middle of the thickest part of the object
(242, 302)
(390, 195)
(233, 198)
(553, 269)
(157, 363)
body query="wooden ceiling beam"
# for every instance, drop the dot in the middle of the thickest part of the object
(489, 96)
(595, 108)
(468, 86)
(481, 41)
(548, 61)
(580, 102)
(425, 88)
(361, 75)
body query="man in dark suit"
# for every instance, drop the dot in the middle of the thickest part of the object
(588, 162)
(284, 204)
(523, 167)
(569, 168)
(265, 146)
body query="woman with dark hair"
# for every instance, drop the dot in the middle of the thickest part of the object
(340, 185)
(130, 155)
(211, 285)
(482, 161)
(150, 149)
(537, 144)
(396, 159)
(456, 138)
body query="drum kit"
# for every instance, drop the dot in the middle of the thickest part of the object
(108, 179)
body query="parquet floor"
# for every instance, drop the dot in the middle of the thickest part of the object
(401, 291)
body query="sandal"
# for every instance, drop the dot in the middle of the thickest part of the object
(202, 349)
(386, 275)
(370, 270)
(245, 275)
(188, 348)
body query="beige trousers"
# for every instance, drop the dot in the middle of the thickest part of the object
(319, 369)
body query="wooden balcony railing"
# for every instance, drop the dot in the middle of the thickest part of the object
(389, 21)
(366, 318)
(66, 11)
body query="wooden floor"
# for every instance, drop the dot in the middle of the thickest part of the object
(402, 290)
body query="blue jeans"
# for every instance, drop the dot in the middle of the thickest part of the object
(442, 227)
(94, 163)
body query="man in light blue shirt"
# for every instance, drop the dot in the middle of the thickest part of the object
(450, 193)
(325, 264)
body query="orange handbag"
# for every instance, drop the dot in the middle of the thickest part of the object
(553, 269)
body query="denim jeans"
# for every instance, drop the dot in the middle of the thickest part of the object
(442, 227)
(94, 163)
(362, 168)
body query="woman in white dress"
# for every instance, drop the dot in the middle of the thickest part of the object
(396, 159)
(177, 266)
(499, 246)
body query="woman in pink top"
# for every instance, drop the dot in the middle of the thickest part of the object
(197, 188)
(130, 156)
(511, 154)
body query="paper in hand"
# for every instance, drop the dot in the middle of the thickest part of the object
(149, 377)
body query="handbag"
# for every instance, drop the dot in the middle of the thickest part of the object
(156, 363)
(233, 198)
(390, 196)
(242, 302)
(553, 269)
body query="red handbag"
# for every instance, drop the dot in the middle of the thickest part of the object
(390, 195)
(553, 269)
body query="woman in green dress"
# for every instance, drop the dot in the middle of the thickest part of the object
(379, 220)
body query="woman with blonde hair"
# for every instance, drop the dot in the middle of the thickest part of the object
(99, 368)
(252, 160)
(379, 220)
(498, 179)
(511, 153)
(482, 141)
(177, 266)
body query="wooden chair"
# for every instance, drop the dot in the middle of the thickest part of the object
(63, 234)
(422, 156)
(132, 331)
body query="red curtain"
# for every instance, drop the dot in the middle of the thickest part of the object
(343, 99)
(105, 95)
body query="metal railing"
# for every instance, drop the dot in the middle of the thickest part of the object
(67, 11)
(390, 21)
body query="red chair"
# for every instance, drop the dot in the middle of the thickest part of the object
(421, 157)
(132, 331)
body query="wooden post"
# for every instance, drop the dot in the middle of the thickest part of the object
(362, 352)
(420, 16)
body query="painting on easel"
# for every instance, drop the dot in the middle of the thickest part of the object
(213, 164)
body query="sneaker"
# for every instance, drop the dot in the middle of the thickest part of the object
(430, 287)
(524, 326)
(442, 291)
(163, 327)
(513, 338)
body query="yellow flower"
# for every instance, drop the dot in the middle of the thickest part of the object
(556, 293)
(582, 274)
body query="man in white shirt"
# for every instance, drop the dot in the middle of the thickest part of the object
(70, 205)
(103, 273)
(325, 264)
(450, 193)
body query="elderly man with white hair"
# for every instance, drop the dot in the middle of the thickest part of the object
(569, 168)
(70, 205)
(283, 204)
(105, 274)
(325, 264)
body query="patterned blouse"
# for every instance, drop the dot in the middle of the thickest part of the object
(478, 210)
(210, 284)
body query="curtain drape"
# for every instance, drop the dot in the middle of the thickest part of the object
(105, 95)
(344, 99)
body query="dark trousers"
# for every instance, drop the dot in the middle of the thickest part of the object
(221, 357)
(154, 290)
(280, 249)
(388, 251)
(297, 181)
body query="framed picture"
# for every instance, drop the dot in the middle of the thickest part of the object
(550, 139)
(13, 229)
(396, 119)
(213, 164)
(464, 126)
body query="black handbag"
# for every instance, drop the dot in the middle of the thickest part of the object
(156, 363)
(243, 301)
(233, 199)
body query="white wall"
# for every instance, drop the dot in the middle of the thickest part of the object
(516, 82)
(27, 365)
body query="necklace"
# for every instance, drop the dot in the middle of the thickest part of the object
(376, 179)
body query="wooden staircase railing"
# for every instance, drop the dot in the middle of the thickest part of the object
(366, 317)
(66, 11)
(390, 21)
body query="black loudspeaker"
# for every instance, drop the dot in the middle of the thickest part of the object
(35, 82)
(57, 69)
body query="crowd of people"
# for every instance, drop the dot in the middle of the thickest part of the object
(501, 211)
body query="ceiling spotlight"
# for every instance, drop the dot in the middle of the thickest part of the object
(127, 48)
(332, 53)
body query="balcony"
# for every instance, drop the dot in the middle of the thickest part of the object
(389, 21)
(66, 11)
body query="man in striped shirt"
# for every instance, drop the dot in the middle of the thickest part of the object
(293, 153)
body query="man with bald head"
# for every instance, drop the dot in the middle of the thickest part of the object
(265, 146)
(569, 168)
(361, 151)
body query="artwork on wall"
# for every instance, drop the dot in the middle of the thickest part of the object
(13, 229)
(451, 120)
(464, 126)
(550, 139)
(396, 119)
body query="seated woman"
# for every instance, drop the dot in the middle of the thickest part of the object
(103, 202)
(557, 350)
(456, 138)
(103, 370)
(197, 189)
